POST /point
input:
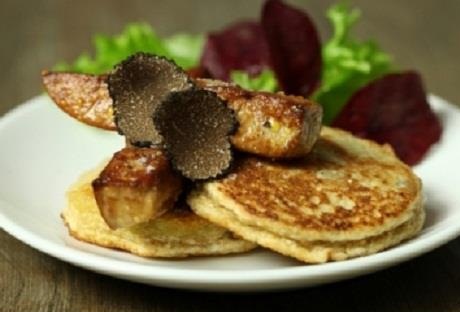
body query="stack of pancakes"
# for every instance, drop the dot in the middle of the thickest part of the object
(348, 197)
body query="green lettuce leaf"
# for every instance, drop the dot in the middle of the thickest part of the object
(348, 64)
(184, 49)
(265, 81)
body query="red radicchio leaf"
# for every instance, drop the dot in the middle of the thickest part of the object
(295, 48)
(394, 110)
(241, 46)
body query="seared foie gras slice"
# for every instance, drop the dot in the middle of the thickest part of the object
(84, 97)
(270, 124)
(137, 185)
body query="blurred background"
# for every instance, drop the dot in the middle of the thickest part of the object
(422, 35)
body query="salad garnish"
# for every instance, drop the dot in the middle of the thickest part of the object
(393, 110)
(282, 52)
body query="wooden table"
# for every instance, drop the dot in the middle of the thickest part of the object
(420, 34)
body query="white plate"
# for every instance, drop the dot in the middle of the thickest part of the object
(43, 151)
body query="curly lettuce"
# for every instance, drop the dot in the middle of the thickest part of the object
(184, 49)
(265, 81)
(348, 64)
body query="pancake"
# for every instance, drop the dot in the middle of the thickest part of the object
(350, 197)
(177, 233)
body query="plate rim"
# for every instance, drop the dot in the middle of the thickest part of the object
(153, 273)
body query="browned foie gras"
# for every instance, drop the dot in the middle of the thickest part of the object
(270, 124)
(137, 185)
(84, 97)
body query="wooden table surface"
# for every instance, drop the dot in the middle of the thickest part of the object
(420, 34)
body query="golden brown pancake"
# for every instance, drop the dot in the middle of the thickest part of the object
(349, 197)
(177, 233)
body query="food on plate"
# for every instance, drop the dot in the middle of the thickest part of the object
(84, 97)
(270, 124)
(137, 185)
(196, 126)
(350, 197)
(137, 86)
(177, 233)
(255, 167)
(346, 198)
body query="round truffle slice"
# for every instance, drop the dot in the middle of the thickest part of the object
(137, 85)
(196, 126)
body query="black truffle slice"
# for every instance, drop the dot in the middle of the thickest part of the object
(137, 85)
(196, 125)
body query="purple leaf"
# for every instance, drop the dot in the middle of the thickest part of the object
(241, 46)
(393, 110)
(295, 48)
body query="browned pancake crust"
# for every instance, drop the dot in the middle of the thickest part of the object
(309, 251)
(345, 189)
